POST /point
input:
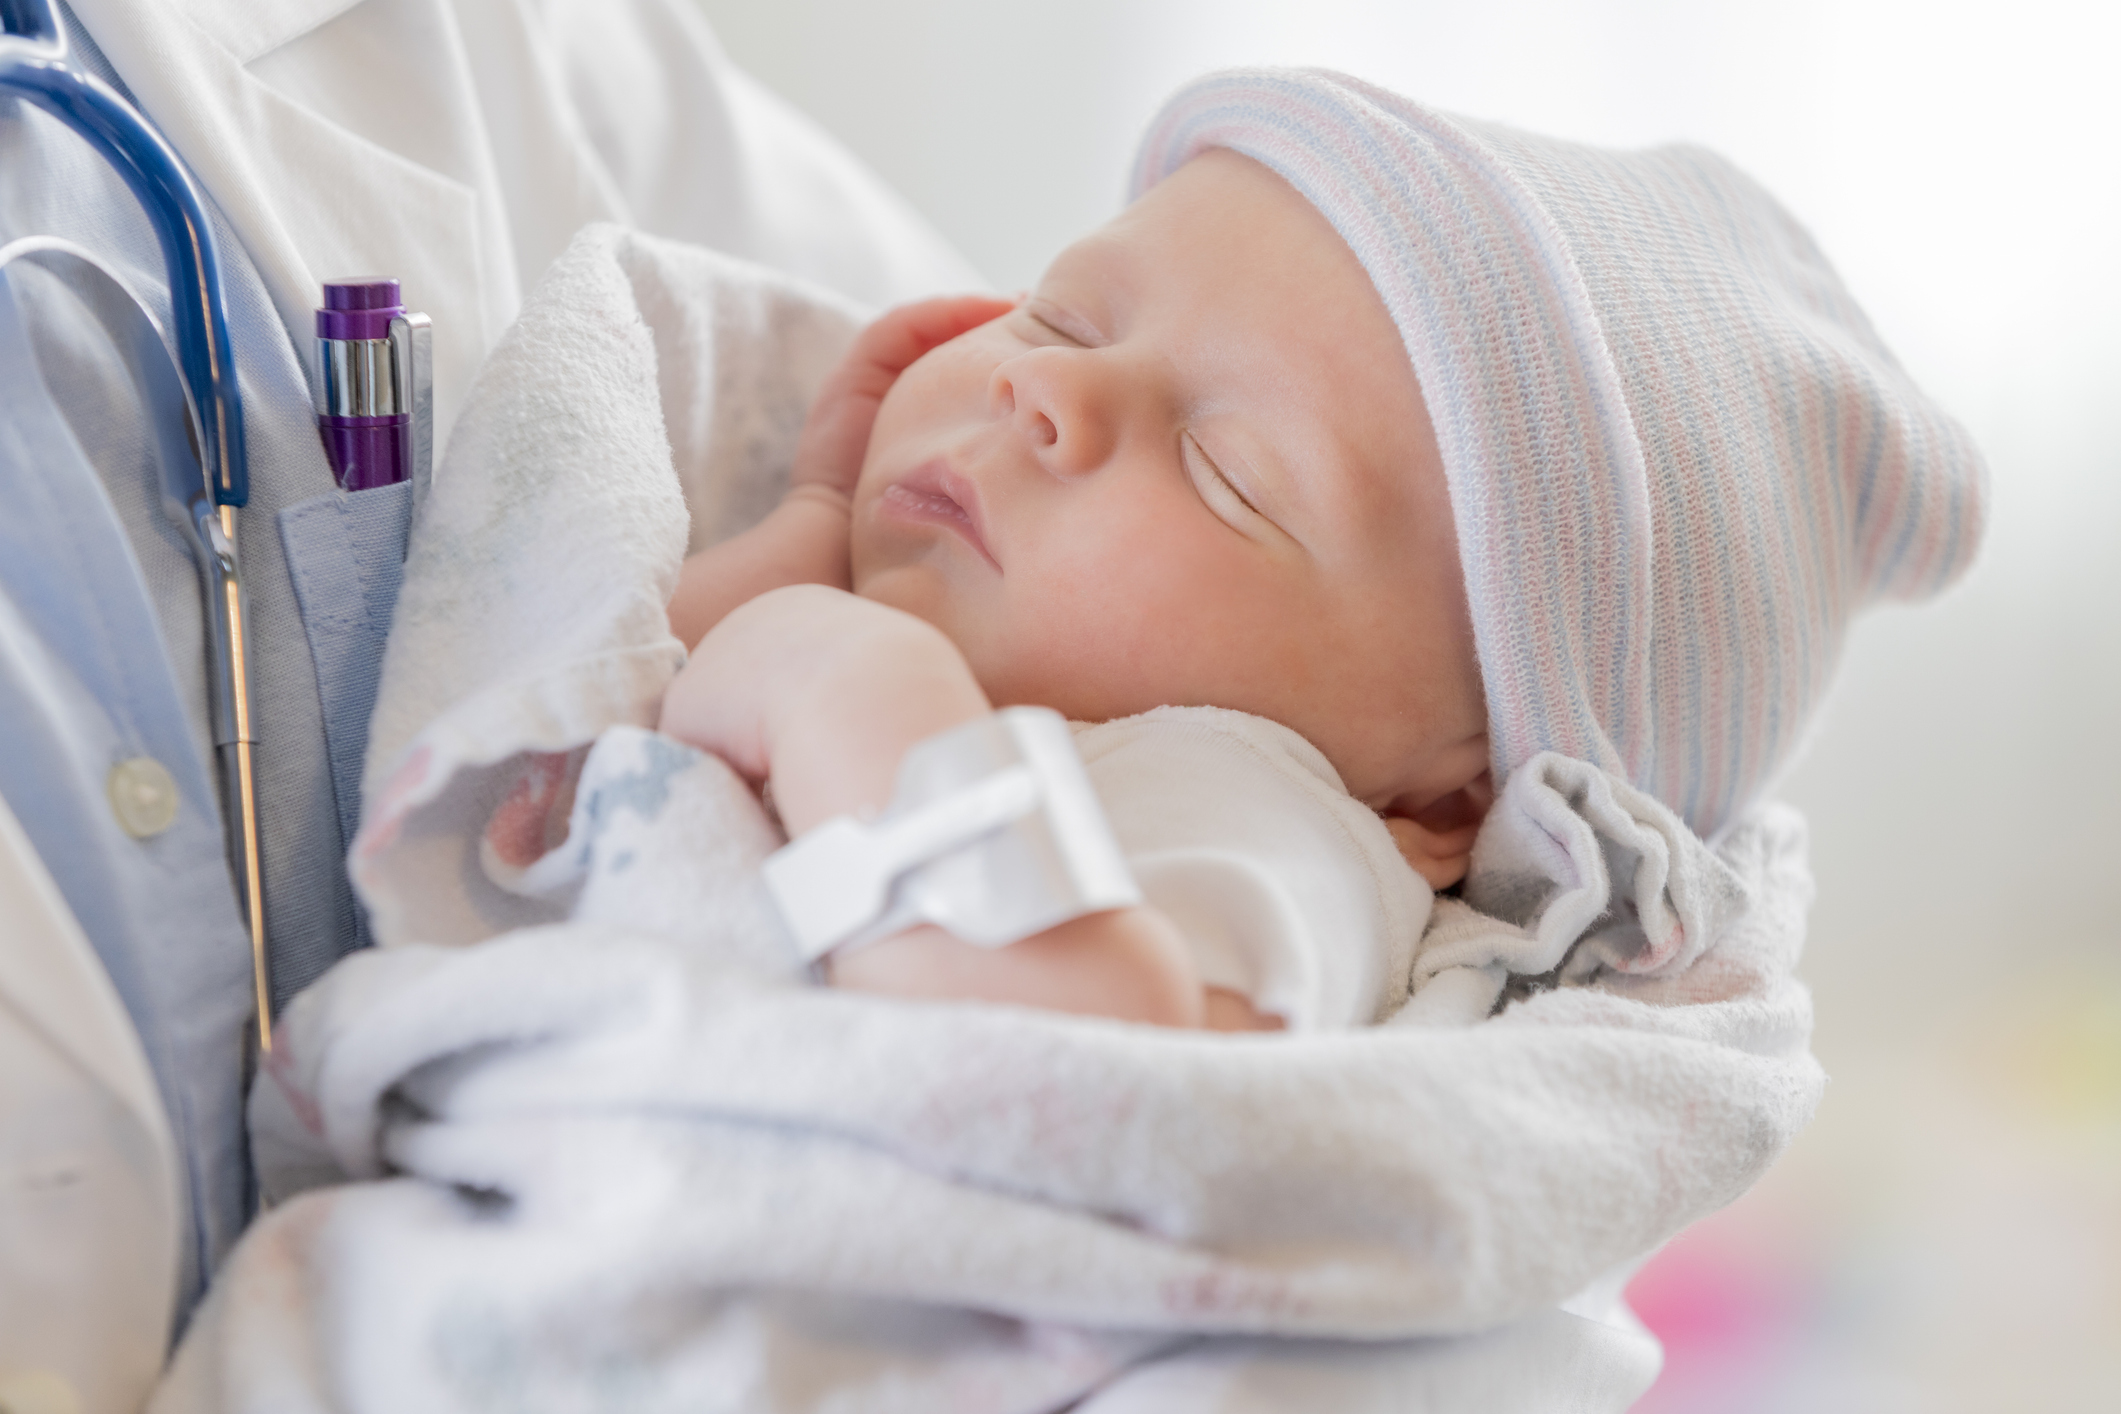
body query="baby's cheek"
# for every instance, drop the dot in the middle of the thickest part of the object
(938, 399)
(1104, 633)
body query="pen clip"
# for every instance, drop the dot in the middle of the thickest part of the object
(412, 364)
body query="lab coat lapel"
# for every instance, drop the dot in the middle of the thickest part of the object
(248, 29)
(309, 199)
(54, 984)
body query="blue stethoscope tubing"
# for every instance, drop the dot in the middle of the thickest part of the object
(35, 64)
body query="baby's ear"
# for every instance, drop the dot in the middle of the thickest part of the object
(1437, 839)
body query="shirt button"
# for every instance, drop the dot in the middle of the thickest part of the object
(143, 796)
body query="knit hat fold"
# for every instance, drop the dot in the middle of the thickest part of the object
(1679, 457)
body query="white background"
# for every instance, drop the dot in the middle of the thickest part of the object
(1951, 1226)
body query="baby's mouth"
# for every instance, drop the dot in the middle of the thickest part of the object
(934, 495)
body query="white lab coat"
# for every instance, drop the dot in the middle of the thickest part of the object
(88, 1174)
(519, 121)
(542, 117)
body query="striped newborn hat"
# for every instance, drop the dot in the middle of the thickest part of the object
(1679, 457)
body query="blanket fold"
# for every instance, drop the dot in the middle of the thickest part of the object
(580, 1135)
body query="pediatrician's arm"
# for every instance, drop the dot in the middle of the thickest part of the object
(804, 540)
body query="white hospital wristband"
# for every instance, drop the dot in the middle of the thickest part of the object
(993, 834)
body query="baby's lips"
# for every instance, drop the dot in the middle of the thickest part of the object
(933, 494)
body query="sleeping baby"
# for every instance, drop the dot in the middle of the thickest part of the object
(1131, 492)
(1367, 455)
(1394, 503)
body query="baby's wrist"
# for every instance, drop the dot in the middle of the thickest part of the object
(822, 495)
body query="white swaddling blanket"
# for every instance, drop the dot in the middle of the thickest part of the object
(607, 1157)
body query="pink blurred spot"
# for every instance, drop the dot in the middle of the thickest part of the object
(1224, 1293)
(1728, 1309)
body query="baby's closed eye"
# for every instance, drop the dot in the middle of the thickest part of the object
(1044, 320)
(1216, 488)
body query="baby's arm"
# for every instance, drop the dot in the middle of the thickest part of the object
(821, 693)
(804, 540)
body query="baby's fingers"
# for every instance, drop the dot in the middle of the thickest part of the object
(836, 437)
(901, 335)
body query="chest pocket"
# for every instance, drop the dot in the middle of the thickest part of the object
(346, 555)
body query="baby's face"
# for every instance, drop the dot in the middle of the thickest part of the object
(1193, 468)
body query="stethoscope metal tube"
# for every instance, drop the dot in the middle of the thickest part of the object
(34, 63)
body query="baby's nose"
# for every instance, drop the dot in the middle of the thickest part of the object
(1052, 406)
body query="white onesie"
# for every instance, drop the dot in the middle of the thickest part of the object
(1288, 890)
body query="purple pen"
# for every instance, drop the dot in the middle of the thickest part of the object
(375, 400)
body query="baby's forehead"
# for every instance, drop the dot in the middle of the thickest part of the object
(1133, 252)
(1234, 236)
(1221, 199)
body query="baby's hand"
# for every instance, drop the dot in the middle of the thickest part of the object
(804, 540)
(836, 437)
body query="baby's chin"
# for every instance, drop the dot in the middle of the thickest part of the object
(920, 589)
(914, 588)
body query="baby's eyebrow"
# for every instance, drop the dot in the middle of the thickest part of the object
(1099, 265)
